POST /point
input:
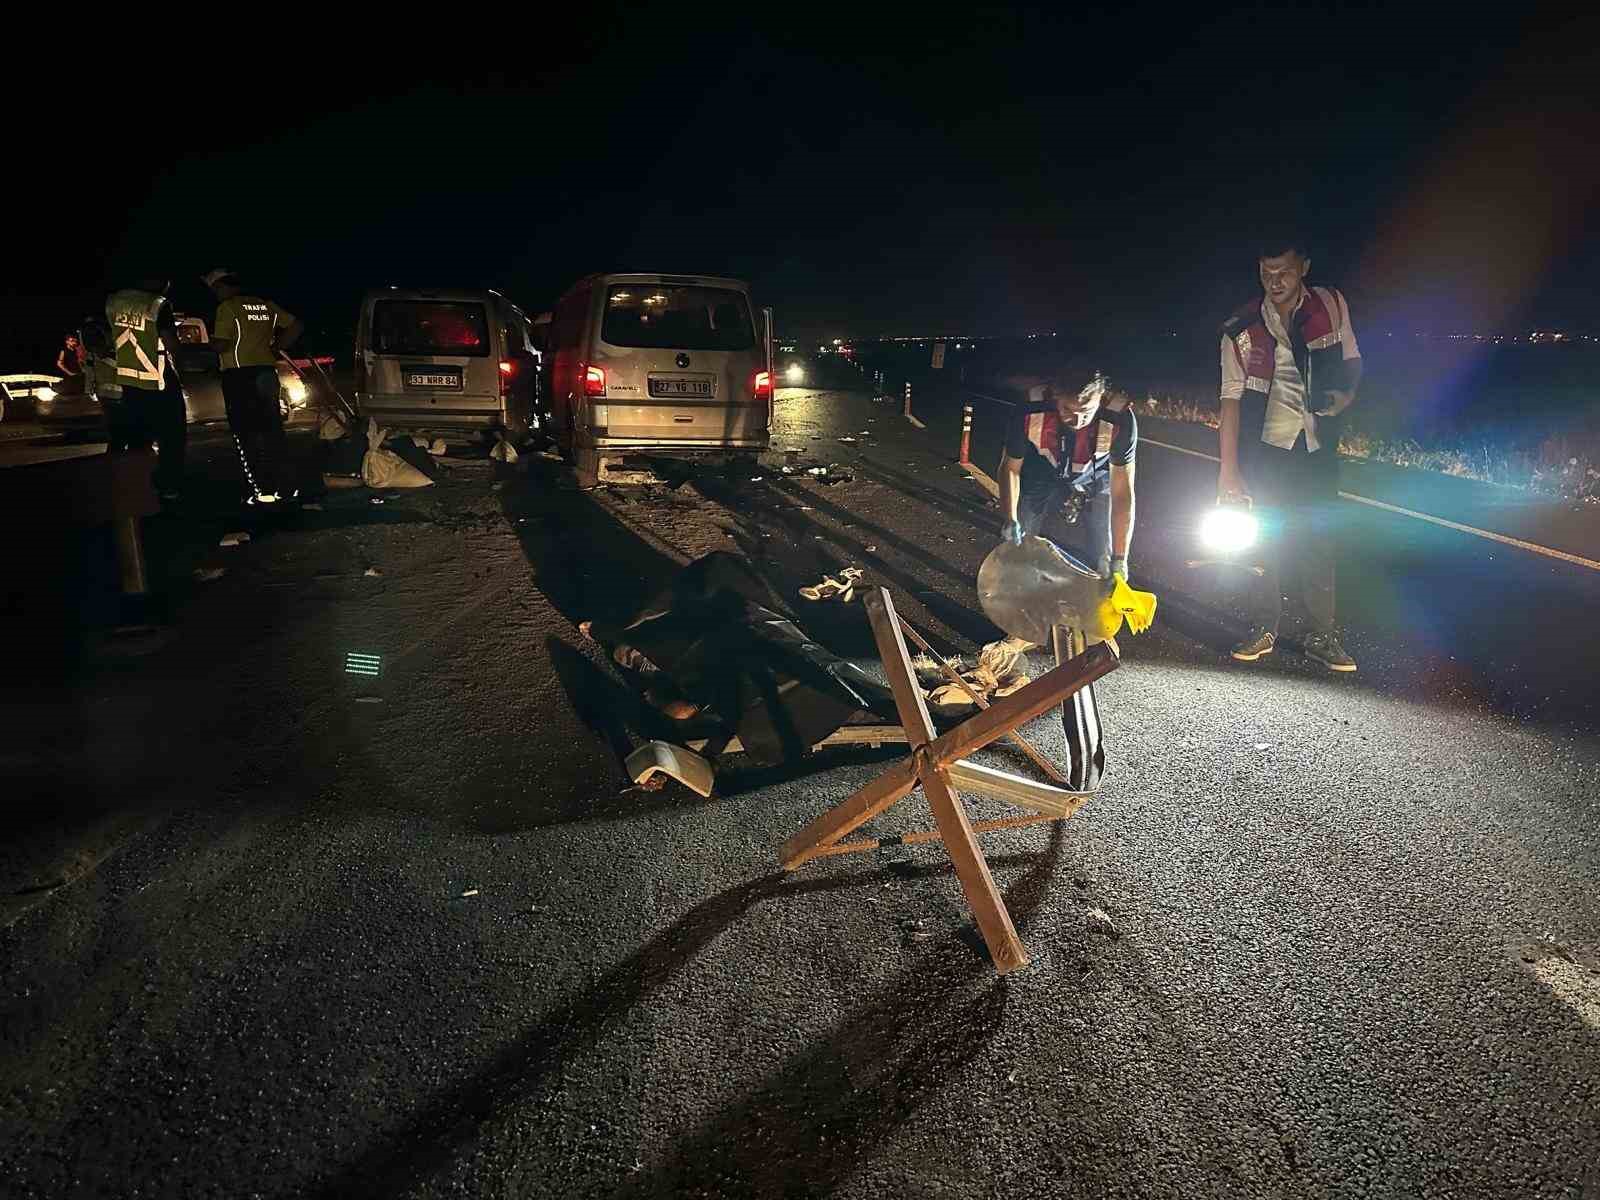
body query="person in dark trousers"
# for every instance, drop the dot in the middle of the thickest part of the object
(248, 332)
(144, 337)
(1290, 369)
(1067, 474)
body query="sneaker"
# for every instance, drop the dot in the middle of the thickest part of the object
(1259, 644)
(1325, 649)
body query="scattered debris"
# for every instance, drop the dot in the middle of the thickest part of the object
(872, 549)
(437, 448)
(816, 470)
(847, 438)
(369, 699)
(757, 478)
(504, 452)
(662, 758)
(373, 573)
(1097, 920)
(1263, 745)
(375, 500)
(419, 441)
(234, 539)
(311, 506)
(381, 468)
(207, 574)
(843, 587)
(469, 892)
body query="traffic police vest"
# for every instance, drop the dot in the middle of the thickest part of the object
(141, 362)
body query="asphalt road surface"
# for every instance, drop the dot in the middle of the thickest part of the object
(277, 930)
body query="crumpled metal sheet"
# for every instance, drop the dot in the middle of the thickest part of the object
(1028, 589)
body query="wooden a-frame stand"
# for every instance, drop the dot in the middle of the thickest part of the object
(935, 762)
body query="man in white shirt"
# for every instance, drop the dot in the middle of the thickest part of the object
(1290, 369)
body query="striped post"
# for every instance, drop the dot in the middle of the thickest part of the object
(908, 397)
(966, 434)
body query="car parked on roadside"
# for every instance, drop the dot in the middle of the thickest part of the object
(659, 364)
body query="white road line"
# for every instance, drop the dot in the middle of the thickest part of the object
(1180, 449)
(1486, 534)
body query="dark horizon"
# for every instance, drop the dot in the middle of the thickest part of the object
(867, 179)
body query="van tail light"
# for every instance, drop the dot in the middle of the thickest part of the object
(507, 366)
(594, 381)
(508, 370)
(761, 385)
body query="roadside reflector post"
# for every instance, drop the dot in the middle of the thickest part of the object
(908, 397)
(966, 434)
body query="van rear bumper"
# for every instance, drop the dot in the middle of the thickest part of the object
(706, 445)
(435, 416)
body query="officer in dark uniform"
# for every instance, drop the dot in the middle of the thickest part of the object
(1067, 474)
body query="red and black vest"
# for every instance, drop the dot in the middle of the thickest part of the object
(1070, 451)
(1315, 330)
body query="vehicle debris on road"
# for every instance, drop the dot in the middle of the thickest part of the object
(234, 539)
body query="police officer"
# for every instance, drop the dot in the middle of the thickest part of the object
(1067, 473)
(144, 336)
(249, 331)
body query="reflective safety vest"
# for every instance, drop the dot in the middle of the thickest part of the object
(1315, 332)
(132, 314)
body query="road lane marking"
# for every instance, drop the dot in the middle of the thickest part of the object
(1486, 534)
(1181, 449)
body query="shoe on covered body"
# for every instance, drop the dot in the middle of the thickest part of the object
(1258, 643)
(1326, 649)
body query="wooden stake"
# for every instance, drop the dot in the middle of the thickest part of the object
(930, 765)
(921, 836)
(1022, 743)
(1018, 708)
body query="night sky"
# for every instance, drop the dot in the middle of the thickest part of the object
(981, 172)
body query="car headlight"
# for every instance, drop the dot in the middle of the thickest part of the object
(1228, 530)
(295, 389)
(795, 374)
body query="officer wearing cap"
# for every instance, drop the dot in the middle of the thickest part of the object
(249, 331)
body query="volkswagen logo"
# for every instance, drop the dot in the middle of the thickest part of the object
(683, 360)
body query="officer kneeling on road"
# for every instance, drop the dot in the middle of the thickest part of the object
(1067, 474)
(249, 331)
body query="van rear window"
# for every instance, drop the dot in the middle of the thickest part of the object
(677, 317)
(430, 327)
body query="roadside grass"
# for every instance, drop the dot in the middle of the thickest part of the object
(1566, 467)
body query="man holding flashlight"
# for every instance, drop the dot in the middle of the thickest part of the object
(1067, 472)
(1290, 369)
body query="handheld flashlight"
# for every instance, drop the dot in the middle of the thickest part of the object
(1229, 528)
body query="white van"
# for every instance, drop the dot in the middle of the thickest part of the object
(668, 364)
(446, 362)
